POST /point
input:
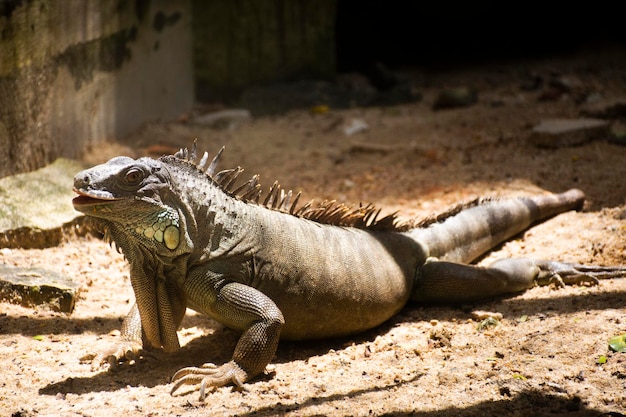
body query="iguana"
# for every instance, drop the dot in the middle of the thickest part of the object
(263, 265)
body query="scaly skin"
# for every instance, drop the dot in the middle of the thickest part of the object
(273, 275)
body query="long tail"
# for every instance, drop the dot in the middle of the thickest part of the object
(476, 230)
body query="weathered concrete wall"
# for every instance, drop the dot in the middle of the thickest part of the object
(238, 43)
(75, 72)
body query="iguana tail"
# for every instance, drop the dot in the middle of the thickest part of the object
(465, 236)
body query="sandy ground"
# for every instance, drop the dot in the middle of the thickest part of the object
(543, 356)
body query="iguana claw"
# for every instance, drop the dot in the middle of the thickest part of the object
(209, 375)
(125, 352)
(561, 274)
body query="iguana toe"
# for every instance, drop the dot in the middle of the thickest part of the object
(561, 274)
(209, 376)
(123, 352)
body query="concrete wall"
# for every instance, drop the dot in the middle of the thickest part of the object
(239, 43)
(76, 72)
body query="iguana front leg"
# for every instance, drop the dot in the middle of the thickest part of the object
(161, 320)
(239, 307)
(129, 348)
(447, 282)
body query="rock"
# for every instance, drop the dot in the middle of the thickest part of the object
(532, 82)
(393, 87)
(605, 109)
(36, 286)
(567, 83)
(550, 93)
(556, 133)
(356, 82)
(355, 126)
(562, 85)
(456, 97)
(372, 148)
(345, 93)
(36, 207)
(483, 315)
(224, 119)
(618, 133)
(281, 97)
(383, 78)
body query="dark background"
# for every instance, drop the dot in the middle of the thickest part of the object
(440, 34)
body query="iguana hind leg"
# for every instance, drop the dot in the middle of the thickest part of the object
(449, 282)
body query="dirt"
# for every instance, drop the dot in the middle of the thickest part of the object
(548, 354)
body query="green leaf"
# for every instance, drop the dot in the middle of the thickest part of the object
(601, 360)
(38, 337)
(618, 343)
(519, 376)
(487, 323)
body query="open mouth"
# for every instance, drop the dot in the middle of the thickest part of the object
(89, 199)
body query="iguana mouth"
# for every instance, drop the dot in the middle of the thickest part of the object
(90, 198)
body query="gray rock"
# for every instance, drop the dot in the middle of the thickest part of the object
(36, 207)
(567, 83)
(36, 286)
(282, 97)
(606, 109)
(455, 97)
(557, 133)
(228, 119)
(618, 133)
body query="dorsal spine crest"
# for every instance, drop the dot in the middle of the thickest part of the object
(277, 199)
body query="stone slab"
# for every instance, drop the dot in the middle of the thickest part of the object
(555, 133)
(606, 109)
(37, 287)
(35, 207)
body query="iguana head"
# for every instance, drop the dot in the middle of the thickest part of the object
(136, 196)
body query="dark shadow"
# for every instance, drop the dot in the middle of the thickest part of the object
(529, 402)
(34, 325)
(560, 305)
(154, 369)
(62, 324)
(220, 341)
(464, 33)
(136, 375)
(218, 346)
(569, 304)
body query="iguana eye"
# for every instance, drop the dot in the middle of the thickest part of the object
(133, 176)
